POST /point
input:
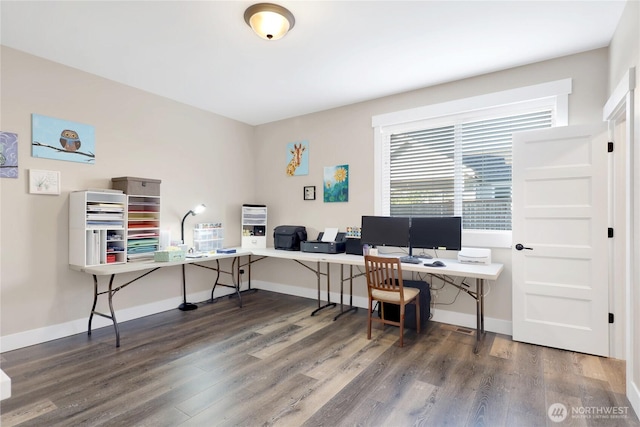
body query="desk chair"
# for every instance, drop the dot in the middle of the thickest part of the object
(384, 282)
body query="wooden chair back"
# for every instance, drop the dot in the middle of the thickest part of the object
(384, 274)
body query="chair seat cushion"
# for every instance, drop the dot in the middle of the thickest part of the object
(394, 297)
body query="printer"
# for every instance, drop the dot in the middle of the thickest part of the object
(338, 246)
(474, 256)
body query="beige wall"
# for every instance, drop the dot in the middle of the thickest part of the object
(139, 134)
(345, 136)
(624, 49)
(200, 158)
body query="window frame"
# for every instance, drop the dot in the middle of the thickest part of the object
(553, 95)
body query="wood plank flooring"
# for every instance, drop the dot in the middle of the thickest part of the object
(271, 363)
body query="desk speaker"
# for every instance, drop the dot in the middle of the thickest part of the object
(354, 246)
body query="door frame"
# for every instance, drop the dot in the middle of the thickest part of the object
(621, 104)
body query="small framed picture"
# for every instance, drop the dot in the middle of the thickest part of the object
(310, 192)
(44, 182)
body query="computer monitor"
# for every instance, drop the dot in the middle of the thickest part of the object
(385, 231)
(443, 233)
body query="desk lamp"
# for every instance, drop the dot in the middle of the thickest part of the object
(186, 306)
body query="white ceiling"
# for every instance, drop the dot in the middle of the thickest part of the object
(202, 53)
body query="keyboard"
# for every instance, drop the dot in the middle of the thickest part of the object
(410, 260)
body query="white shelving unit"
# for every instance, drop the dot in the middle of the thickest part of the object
(254, 226)
(143, 226)
(97, 228)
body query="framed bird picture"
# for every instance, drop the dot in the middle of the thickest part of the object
(59, 139)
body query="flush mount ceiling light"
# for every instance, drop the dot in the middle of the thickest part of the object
(269, 21)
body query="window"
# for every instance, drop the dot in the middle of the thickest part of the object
(463, 169)
(459, 163)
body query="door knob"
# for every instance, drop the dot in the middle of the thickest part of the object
(520, 247)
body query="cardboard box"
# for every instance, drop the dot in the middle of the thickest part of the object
(137, 186)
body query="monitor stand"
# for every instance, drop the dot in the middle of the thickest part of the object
(410, 259)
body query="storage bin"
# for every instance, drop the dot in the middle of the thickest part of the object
(208, 237)
(166, 256)
(207, 245)
(137, 186)
(207, 233)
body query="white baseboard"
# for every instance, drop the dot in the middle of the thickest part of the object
(444, 316)
(310, 293)
(497, 326)
(633, 394)
(49, 333)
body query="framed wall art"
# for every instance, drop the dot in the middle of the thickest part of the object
(8, 155)
(298, 158)
(310, 192)
(44, 182)
(58, 139)
(336, 183)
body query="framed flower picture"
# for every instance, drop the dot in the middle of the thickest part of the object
(336, 183)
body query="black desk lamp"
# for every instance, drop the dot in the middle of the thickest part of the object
(186, 306)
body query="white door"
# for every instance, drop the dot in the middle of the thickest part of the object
(560, 255)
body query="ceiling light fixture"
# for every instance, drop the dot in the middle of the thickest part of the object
(269, 21)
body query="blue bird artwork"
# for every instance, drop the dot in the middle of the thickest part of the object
(50, 134)
(69, 140)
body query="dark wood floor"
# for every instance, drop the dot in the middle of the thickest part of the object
(271, 363)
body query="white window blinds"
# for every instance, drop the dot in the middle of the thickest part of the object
(461, 169)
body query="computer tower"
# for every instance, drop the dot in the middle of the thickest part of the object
(392, 311)
(353, 246)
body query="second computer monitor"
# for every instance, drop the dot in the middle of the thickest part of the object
(443, 233)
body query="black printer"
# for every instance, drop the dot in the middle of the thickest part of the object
(318, 246)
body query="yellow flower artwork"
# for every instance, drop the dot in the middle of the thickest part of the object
(336, 183)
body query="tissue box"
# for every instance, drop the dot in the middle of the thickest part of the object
(165, 256)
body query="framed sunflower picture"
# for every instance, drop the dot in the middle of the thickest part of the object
(336, 183)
